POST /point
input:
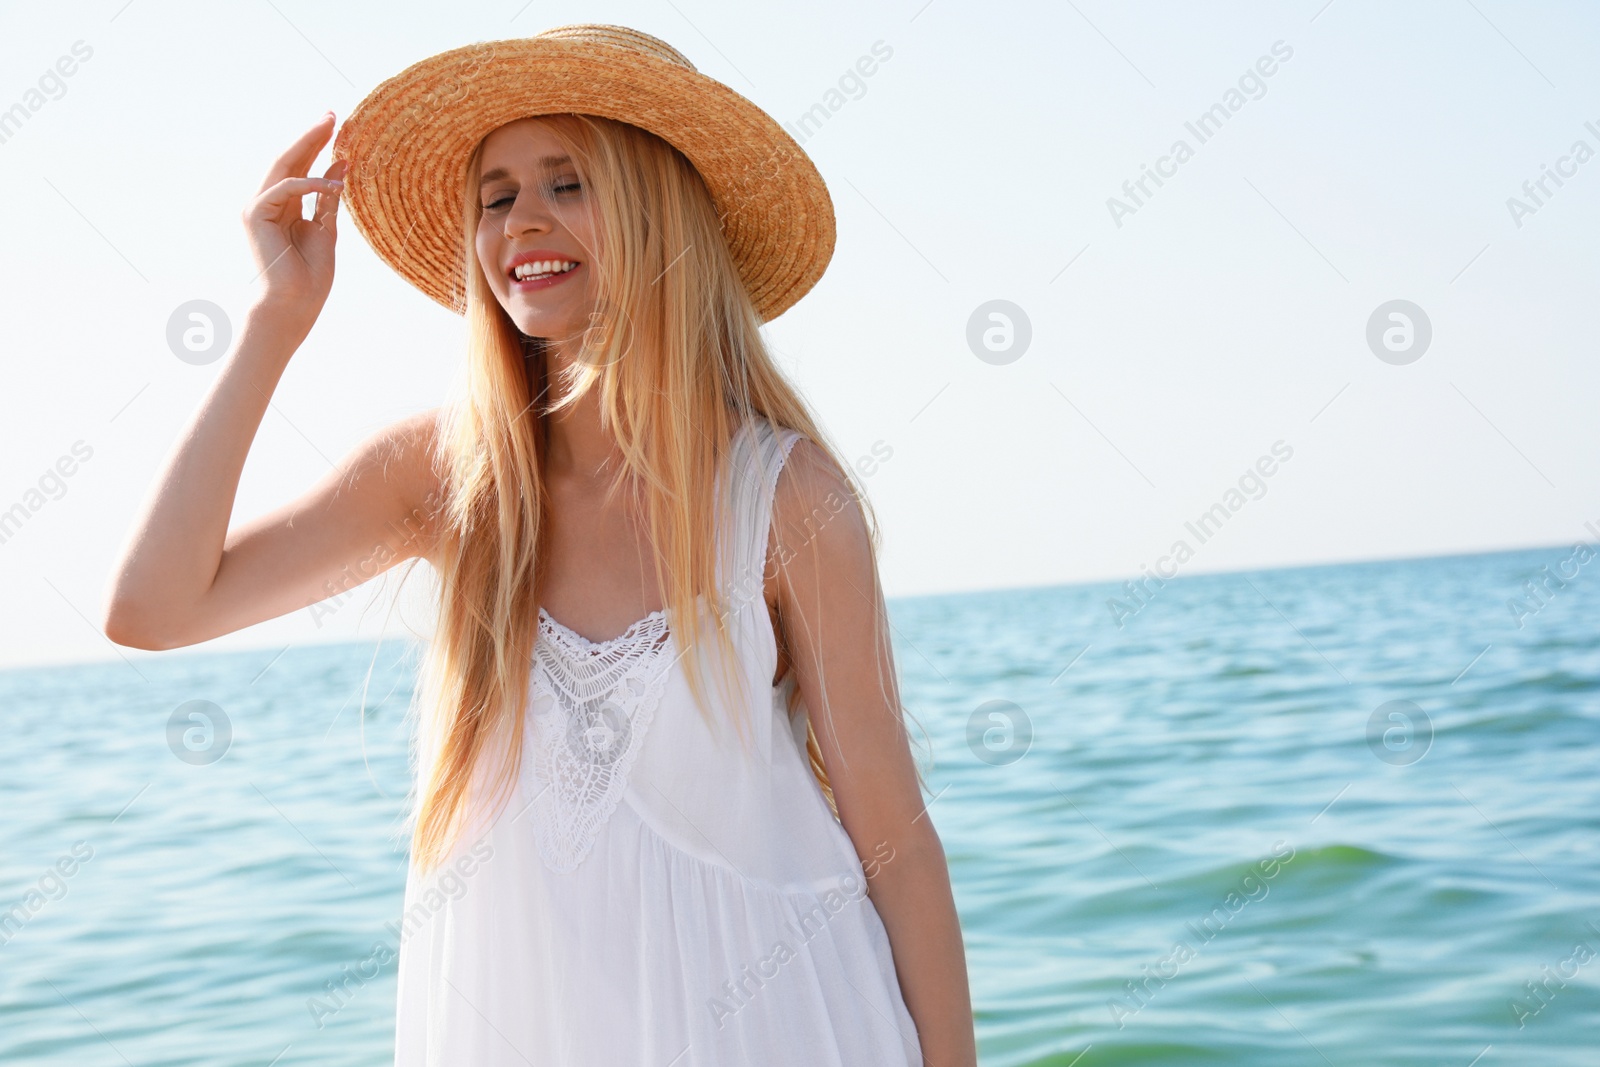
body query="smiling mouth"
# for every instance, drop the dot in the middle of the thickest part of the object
(541, 270)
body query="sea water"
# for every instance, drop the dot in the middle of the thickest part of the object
(1327, 815)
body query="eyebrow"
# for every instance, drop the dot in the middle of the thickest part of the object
(549, 162)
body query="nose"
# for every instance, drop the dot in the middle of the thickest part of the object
(529, 212)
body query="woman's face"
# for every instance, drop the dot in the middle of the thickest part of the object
(535, 211)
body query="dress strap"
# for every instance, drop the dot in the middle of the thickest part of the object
(757, 457)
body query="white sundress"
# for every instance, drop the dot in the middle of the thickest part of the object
(651, 895)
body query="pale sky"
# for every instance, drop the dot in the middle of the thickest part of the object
(1172, 345)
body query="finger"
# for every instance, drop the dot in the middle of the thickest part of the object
(308, 147)
(275, 199)
(328, 202)
(327, 210)
(296, 160)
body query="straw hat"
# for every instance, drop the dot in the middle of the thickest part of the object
(408, 142)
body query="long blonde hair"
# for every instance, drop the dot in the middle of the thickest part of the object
(676, 351)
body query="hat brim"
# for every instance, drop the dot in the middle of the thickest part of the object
(409, 140)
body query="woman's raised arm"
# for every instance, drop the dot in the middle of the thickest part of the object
(184, 576)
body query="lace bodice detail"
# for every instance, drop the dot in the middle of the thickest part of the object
(594, 700)
(585, 737)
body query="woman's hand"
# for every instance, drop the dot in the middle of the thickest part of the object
(293, 254)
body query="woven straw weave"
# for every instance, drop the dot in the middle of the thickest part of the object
(409, 140)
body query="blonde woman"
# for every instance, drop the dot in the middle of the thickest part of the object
(666, 812)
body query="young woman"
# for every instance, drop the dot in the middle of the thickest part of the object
(666, 810)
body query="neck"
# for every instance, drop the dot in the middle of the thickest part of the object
(579, 447)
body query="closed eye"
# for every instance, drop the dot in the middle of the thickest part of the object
(565, 187)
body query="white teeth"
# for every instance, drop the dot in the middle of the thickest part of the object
(542, 268)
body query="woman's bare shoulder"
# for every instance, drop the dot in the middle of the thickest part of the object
(816, 514)
(811, 487)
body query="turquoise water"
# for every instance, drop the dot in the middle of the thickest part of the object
(1199, 857)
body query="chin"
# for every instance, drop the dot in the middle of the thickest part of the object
(528, 321)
